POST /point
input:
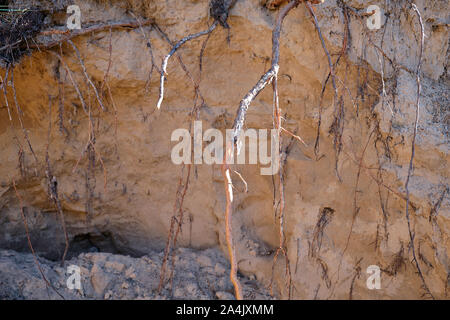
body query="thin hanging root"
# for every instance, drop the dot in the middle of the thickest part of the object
(149, 46)
(287, 271)
(179, 224)
(282, 239)
(21, 152)
(243, 180)
(181, 190)
(376, 180)
(383, 203)
(174, 49)
(116, 122)
(88, 79)
(324, 218)
(173, 235)
(355, 200)
(355, 104)
(162, 273)
(72, 79)
(61, 95)
(294, 136)
(228, 184)
(89, 147)
(413, 145)
(108, 68)
(24, 220)
(319, 32)
(91, 144)
(281, 161)
(435, 208)
(338, 130)
(356, 275)
(202, 52)
(342, 53)
(53, 184)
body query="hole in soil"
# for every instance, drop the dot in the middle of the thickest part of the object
(51, 247)
(92, 242)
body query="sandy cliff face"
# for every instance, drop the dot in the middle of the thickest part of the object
(343, 211)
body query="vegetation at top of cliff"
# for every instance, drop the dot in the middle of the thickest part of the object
(17, 28)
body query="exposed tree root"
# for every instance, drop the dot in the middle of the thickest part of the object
(267, 77)
(183, 66)
(174, 49)
(70, 34)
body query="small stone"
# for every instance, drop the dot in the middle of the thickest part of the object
(99, 279)
(130, 274)
(60, 271)
(114, 265)
(219, 269)
(108, 294)
(222, 295)
(204, 261)
(97, 257)
(179, 293)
